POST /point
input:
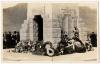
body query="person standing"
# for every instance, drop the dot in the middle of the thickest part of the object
(13, 39)
(93, 39)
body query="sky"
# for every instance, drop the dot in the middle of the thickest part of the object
(89, 4)
(7, 5)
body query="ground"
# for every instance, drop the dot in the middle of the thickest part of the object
(87, 56)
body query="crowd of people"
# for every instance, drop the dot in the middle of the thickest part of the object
(10, 39)
(66, 45)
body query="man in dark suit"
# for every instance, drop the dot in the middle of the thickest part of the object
(93, 38)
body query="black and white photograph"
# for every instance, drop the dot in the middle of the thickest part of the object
(50, 31)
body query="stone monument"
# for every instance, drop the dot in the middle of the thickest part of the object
(55, 17)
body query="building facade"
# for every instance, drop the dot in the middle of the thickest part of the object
(47, 21)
